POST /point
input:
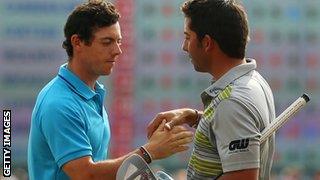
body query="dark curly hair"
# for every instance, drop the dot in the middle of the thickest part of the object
(86, 18)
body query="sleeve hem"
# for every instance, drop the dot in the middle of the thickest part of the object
(240, 166)
(72, 156)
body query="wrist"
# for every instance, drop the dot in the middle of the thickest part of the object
(196, 116)
(145, 154)
(152, 150)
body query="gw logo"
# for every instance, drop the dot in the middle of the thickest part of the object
(238, 144)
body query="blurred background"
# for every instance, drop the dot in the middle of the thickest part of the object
(154, 75)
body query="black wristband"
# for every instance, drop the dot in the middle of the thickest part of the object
(145, 155)
(195, 125)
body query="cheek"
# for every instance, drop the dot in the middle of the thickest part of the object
(194, 49)
(189, 47)
(111, 51)
(101, 51)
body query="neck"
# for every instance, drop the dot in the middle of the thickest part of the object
(224, 65)
(82, 73)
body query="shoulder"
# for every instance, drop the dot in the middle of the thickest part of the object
(251, 89)
(57, 97)
(250, 98)
(231, 107)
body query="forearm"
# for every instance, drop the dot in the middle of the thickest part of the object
(108, 169)
(85, 168)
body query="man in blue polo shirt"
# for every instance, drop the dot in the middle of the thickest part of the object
(70, 132)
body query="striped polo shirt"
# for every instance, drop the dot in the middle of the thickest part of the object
(237, 107)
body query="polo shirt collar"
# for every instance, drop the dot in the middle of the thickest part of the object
(77, 85)
(230, 76)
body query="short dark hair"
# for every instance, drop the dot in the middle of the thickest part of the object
(86, 18)
(223, 20)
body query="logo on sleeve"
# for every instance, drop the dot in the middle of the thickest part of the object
(239, 145)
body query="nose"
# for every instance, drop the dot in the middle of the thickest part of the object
(118, 50)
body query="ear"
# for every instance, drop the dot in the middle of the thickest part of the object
(76, 42)
(208, 43)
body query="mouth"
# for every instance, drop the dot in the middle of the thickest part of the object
(110, 61)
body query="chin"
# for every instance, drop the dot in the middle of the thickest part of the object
(106, 73)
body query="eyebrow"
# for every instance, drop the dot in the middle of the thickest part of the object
(186, 33)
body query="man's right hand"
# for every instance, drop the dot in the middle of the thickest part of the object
(174, 118)
(164, 143)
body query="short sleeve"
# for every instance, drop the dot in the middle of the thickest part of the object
(65, 133)
(237, 136)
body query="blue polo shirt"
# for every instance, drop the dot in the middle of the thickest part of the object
(68, 121)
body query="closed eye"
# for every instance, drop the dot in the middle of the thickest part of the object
(109, 41)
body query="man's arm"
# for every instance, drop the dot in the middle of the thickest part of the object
(162, 144)
(248, 174)
(85, 168)
(237, 138)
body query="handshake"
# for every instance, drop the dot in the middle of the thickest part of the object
(167, 135)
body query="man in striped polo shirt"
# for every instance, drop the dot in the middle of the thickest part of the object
(237, 106)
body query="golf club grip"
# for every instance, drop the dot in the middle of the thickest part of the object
(284, 117)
